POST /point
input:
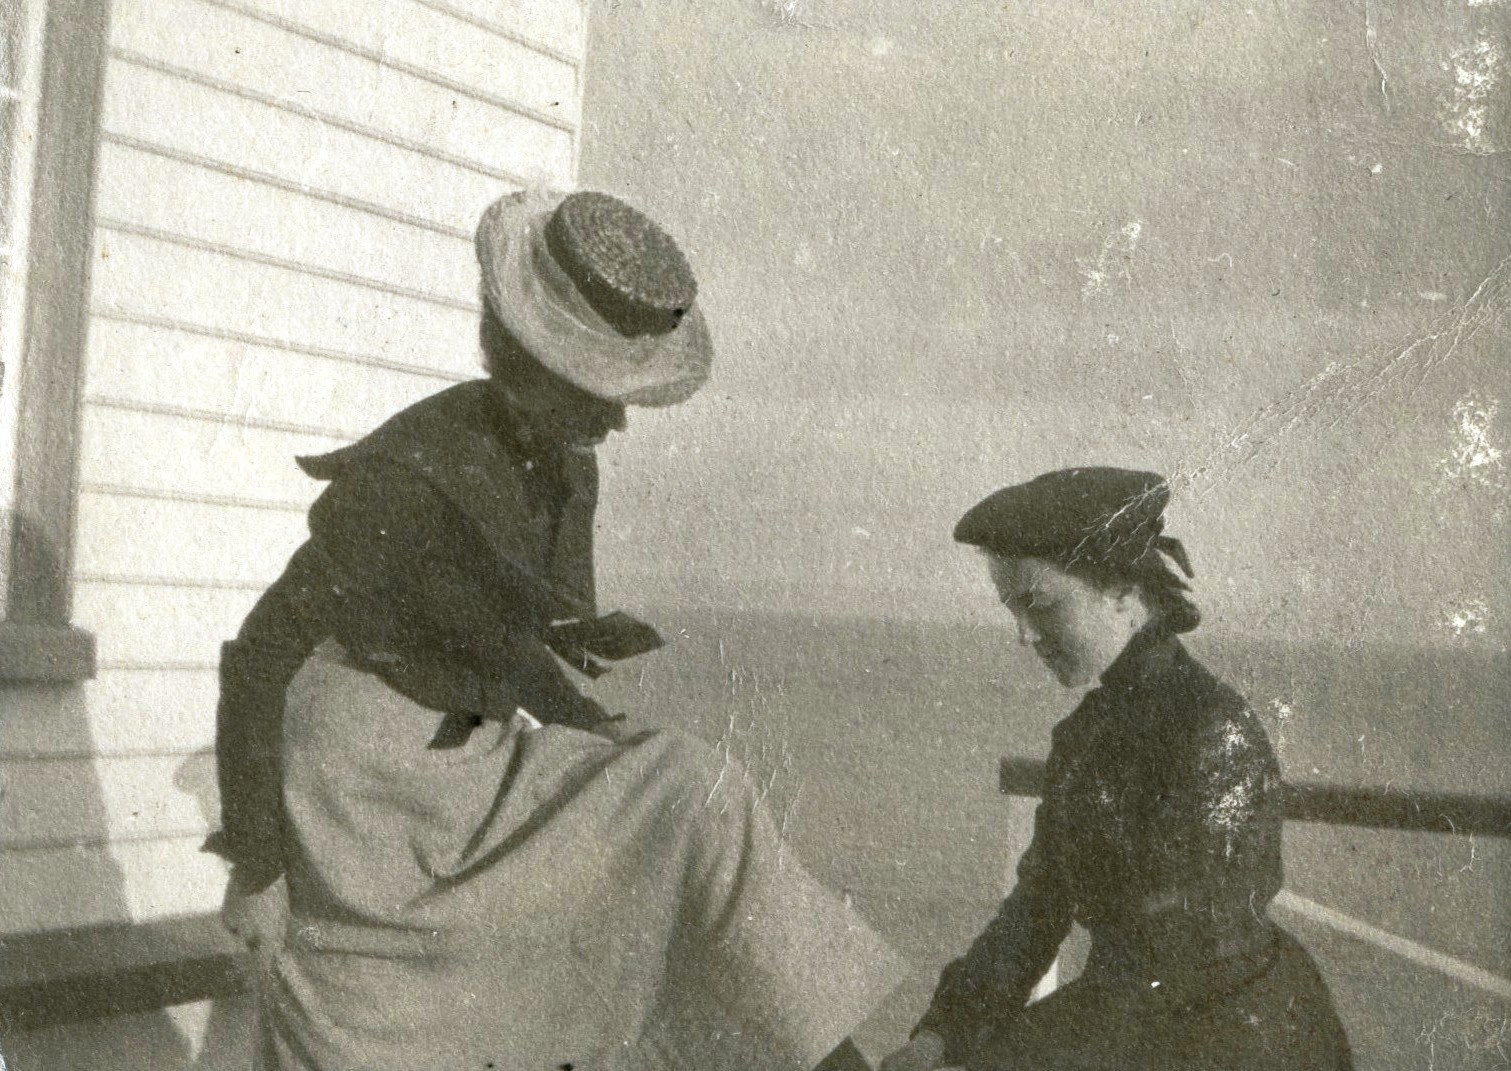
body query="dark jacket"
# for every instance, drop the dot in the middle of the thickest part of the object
(1159, 831)
(444, 546)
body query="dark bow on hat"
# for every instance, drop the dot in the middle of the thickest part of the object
(1173, 549)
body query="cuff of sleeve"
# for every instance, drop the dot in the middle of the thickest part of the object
(950, 1053)
(255, 869)
(959, 1036)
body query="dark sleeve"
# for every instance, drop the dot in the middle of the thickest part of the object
(1003, 965)
(399, 543)
(284, 626)
(1216, 853)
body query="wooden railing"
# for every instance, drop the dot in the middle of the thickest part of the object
(1367, 808)
(94, 972)
(1383, 807)
(67, 976)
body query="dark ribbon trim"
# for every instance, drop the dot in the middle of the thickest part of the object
(1173, 549)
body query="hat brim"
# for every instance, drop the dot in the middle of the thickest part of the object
(567, 337)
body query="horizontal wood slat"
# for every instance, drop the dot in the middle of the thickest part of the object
(197, 459)
(433, 46)
(160, 628)
(555, 26)
(159, 368)
(94, 800)
(158, 194)
(159, 107)
(1363, 806)
(116, 713)
(147, 277)
(185, 542)
(352, 91)
(53, 888)
(167, 339)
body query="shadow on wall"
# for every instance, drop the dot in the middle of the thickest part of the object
(60, 874)
(64, 870)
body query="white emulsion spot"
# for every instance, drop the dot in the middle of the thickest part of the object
(1114, 260)
(1475, 457)
(1281, 712)
(1476, 74)
(787, 11)
(1470, 619)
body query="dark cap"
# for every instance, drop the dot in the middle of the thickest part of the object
(1094, 516)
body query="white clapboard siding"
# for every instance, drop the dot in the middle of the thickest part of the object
(54, 888)
(554, 25)
(341, 87)
(183, 542)
(64, 802)
(147, 191)
(120, 712)
(152, 277)
(155, 364)
(150, 107)
(204, 459)
(286, 196)
(146, 626)
(421, 39)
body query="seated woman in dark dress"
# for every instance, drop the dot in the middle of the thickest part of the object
(1159, 829)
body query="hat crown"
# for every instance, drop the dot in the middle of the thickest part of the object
(596, 292)
(628, 267)
(1083, 513)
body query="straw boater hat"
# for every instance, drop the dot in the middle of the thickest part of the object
(597, 293)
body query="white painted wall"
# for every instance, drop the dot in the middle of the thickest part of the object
(285, 202)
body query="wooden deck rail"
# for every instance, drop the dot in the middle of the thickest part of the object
(95, 972)
(1367, 807)
(67, 976)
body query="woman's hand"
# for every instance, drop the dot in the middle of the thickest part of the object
(255, 911)
(924, 1053)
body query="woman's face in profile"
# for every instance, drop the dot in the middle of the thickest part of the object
(1076, 628)
(564, 413)
(557, 409)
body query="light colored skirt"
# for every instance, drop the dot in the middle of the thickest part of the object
(542, 898)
